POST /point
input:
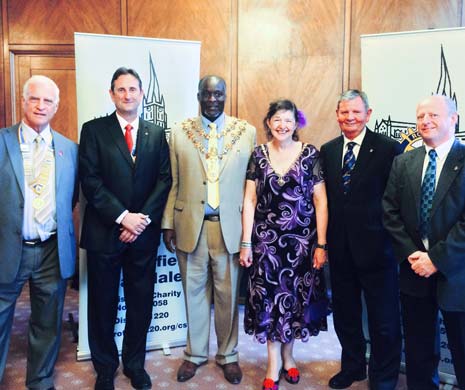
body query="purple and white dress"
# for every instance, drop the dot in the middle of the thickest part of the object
(286, 296)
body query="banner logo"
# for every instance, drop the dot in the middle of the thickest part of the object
(406, 132)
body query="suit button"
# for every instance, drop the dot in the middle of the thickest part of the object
(204, 183)
(202, 201)
(21, 206)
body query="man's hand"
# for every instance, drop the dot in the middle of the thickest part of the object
(169, 238)
(421, 264)
(135, 223)
(127, 237)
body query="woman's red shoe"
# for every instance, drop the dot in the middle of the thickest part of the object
(270, 384)
(292, 375)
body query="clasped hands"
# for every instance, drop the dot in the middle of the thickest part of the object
(132, 225)
(421, 264)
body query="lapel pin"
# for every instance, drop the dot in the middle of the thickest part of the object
(60, 153)
(371, 150)
(456, 168)
(146, 133)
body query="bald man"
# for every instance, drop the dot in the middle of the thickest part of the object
(203, 220)
(424, 211)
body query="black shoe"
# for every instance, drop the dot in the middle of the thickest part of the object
(105, 382)
(343, 379)
(187, 370)
(140, 380)
(232, 372)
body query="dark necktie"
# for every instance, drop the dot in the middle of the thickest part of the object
(348, 166)
(128, 137)
(427, 194)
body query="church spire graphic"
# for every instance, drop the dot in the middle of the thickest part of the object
(445, 87)
(406, 132)
(153, 106)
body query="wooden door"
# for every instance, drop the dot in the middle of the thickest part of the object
(61, 69)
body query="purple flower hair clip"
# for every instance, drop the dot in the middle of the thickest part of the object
(301, 120)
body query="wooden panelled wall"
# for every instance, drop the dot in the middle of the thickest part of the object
(307, 50)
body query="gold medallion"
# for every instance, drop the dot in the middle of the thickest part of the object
(38, 203)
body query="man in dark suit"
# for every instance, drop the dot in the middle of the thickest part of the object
(428, 230)
(38, 177)
(125, 176)
(356, 168)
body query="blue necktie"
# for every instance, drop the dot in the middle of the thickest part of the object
(427, 194)
(348, 166)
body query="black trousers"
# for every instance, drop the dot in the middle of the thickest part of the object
(422, 351)
(381, 293)
(103, 283)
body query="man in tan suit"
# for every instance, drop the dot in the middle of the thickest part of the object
(202, 219)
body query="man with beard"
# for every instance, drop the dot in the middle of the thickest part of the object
(202, 220)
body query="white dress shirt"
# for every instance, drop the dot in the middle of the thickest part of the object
(32, 230)
(356, 149)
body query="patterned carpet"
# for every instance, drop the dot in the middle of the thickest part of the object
(318, 361)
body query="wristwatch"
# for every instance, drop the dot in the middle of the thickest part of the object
(322, 246)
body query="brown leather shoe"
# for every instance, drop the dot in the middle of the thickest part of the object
(232, 372)
(187, 370)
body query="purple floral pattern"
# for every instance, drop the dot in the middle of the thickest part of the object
(286, 296)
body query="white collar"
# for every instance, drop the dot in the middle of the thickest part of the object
(357, 140)
(442, 150)
(123, 122)
(29, 134)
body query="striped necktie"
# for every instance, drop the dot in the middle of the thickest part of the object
(348, 166)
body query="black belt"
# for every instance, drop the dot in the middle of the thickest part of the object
(212, 218)
(38, 241)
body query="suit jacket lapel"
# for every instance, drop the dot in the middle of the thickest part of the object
(334, 162)
(198, 125)
(366, 152)
(58, 147)
(414, 173)
(227, 139)
(143, 137)
(452, 166)
(115, 135)
(16, 158)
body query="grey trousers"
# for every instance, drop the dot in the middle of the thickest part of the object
(40, 267)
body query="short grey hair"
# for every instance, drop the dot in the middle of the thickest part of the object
(351, 94)
(450, 104)
(41, 79)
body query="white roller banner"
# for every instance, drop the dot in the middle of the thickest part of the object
(399, 70)
(169, 70)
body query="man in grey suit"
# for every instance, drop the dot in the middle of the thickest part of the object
(424, 211)
(203, 220)
(37, 244)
